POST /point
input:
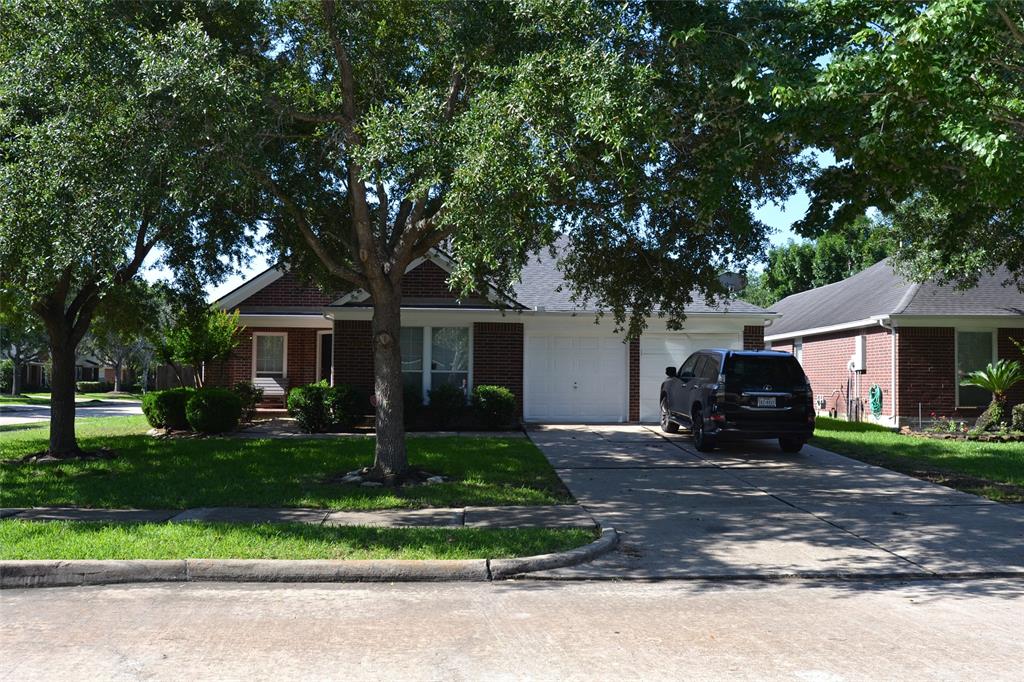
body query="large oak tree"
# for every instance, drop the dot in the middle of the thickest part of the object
(632, 129)
(113, 119)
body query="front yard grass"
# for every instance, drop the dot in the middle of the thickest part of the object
(76, 540)
(44, 398)
(992, 470)
(150, 473)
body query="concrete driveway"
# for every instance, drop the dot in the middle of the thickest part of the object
(28, 414)
(752, 511)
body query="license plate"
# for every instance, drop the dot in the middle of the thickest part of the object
(766, 402)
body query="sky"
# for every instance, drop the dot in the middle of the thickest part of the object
(779, 218)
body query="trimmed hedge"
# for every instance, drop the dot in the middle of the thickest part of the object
(213, 410)
(447, 405)
(321, 407)
(6, 375)
(93, 387)
(1017, 423)
(495, 406)
(166, 409)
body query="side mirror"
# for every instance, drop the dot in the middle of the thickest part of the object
(670, 371)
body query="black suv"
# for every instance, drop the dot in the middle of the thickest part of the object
(735, 395)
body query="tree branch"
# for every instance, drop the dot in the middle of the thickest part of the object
(1015, 31)
(344, 66)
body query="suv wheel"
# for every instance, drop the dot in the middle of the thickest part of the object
(701, 440)
(667, 425)
(791, 444)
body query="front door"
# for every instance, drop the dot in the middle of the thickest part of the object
(326, 355)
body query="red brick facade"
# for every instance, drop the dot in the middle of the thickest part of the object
(634, 380)
(498, 356)
(301, 358)
(824, 359)
(289, 291)
(753, 337)
(1007, 350)
(926, 371)
(353, 354)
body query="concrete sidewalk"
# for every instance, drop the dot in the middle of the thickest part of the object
(553, 516)
(749, 510)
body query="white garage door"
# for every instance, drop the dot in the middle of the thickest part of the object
(575, 379)
(658, 351)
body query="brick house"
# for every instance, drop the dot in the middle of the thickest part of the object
(914, 341)
(548, 351)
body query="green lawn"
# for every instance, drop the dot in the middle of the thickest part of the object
(44, 398)
(175, 474)
(994, 470)
(74, 540)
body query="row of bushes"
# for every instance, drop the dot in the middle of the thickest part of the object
(321, 407)
(206, 410)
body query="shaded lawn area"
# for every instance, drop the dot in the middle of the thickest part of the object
(76, 540)
(44, 398)
(993, 470)
(232, 472)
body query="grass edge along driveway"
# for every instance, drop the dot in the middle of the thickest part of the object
(991, 470)
(150, 473)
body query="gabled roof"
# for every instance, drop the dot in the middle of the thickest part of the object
(543, 286)
(879, 292)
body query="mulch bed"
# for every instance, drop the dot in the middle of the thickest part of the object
(44, 457)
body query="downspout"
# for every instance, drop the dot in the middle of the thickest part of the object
(891, 327)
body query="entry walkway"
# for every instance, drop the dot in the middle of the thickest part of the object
(553, 516)
(752, 511)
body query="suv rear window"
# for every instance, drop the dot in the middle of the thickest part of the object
(751, 371)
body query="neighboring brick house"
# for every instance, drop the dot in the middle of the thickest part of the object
(914, 341)
(548, 351)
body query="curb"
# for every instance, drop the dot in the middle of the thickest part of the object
(54, 573)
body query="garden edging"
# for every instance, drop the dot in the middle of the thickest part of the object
(70, 573)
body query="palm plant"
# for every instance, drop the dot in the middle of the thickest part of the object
(997, 378)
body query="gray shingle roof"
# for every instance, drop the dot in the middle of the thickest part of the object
(879, 290)
(543, 285)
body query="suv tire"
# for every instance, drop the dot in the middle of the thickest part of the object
(667, 425)
(701, 440)
(791, 444)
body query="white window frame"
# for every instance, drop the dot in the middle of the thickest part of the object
(956, 357)
(428, 351)
(798, 349)
(284, 363)
(319, 346)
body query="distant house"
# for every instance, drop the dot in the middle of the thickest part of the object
(913, 341)
(546, 349)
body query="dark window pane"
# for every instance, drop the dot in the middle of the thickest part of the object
(751, 372)
(411, 343)
(450, 349)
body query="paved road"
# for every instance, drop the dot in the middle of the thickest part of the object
(751, 510)
(28, 414)
(526, 630)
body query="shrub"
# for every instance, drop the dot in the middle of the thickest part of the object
(166, 409)
(412, 399)
(309, 407)
(93, 387)
(344, 404)
(495, 406)
(6, 375)
(250, 396)
(213, 410)
(447, 403)
(990, 418)
(1017, 423)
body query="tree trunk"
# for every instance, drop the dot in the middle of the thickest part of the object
(62, 399)
(16, 379)
(391, 460)
(117, 376)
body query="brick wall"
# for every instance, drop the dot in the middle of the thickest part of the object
(498, 356)
(824, 358)
(1008, 351)
(634, 380)
(753, 337)
(926, 371)
(238, 367)
(288, 290)
(353, 354)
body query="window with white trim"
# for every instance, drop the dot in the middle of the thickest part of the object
(432, 356)
(974, 351)
(269, 355)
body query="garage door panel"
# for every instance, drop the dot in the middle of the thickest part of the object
(658, 351)
(575, 379)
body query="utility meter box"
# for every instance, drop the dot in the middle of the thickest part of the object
(859, 359)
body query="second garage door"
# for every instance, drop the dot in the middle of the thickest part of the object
(658, 351)
(575, 379)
